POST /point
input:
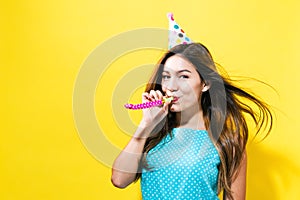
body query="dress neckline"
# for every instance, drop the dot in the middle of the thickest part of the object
(189, 129)
(185, 129)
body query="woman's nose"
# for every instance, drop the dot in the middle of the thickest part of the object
(172, 85)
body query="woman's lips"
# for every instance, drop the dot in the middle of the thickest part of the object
(175, 99)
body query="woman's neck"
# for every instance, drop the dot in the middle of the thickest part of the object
(191, 118)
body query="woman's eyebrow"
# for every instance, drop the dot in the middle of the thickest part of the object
(184, 70)
(178, 72)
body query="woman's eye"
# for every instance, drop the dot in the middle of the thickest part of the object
(165, 77)
(184, 77)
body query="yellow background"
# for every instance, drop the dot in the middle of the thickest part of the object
(44, 43)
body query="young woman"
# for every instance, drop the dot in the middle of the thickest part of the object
(193, 147)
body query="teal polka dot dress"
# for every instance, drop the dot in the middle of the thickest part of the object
(182, 167)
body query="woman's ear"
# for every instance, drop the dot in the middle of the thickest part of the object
(206, 87)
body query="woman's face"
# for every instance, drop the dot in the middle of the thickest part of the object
(181, 80)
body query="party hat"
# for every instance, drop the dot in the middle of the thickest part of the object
(176, 33)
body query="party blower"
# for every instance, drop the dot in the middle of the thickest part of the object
(149, 104)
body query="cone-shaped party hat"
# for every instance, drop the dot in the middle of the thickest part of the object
(176, 33)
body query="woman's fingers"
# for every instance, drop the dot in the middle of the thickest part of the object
(153, 95)
(154, 115)
(145, 96)
(156, 95)
(159, 94)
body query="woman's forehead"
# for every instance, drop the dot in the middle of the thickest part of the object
(178, 63)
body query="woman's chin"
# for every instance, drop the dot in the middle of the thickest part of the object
(175, 108)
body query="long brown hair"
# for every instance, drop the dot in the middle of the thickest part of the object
(224, 112)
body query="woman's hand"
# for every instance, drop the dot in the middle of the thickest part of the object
(154, 115)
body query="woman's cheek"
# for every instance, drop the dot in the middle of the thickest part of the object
(163, 88)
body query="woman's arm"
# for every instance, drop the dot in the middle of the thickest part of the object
(126, 164)
(238, 186)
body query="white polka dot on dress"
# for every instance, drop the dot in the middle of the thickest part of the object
(184, 166)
